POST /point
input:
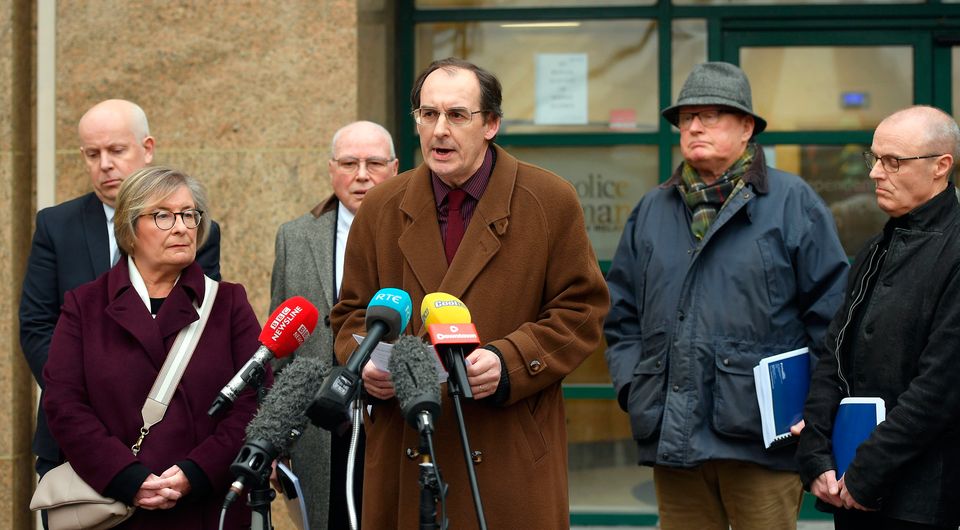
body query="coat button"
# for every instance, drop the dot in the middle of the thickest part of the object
(680, 316)
(535, 365)
(676, 388)
(726, 362)
(659, 363)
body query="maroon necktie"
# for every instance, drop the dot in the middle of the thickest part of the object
(455, 226)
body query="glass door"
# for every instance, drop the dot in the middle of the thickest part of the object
(823, 93)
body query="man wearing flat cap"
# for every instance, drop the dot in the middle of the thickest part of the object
(727, 262)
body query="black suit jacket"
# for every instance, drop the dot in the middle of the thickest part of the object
(70, 247)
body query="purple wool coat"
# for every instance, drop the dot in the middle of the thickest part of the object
(105, 355)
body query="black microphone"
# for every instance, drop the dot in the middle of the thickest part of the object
(413, 369)
(386, 317)
(278, 424)
(288, 327)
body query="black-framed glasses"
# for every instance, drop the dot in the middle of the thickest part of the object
(890, 163)
(456, 116)
(165, 220)
(708, 118)
(351, 165)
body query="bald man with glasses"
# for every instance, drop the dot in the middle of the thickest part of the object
(309, 262)
(897, 337)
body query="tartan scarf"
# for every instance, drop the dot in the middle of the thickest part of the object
(705, 200)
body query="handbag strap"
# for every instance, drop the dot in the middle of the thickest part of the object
(176, 363)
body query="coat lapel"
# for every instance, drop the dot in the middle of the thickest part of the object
(94, 225)
(127, 310)
(420, 242)
(481, 242)
(321, 238)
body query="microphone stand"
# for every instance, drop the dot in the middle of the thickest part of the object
(261, 494)
(431, 483)
(455, 390)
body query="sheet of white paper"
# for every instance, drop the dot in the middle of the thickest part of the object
(561, 89)
(380, 357)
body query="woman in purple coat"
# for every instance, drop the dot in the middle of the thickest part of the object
(110, 343)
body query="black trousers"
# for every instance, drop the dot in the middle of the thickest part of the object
(860, 520)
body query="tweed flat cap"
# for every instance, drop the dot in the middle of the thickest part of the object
(716, 83)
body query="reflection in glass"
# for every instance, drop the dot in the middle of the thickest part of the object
(828, 87)
(794, 2)
(621, 67)
(689, 49)
(604, 475)
(838, 175)
(449, 4)
(593, 370)
(609, 181)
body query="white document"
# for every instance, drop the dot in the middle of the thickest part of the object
(380, 357)
(293, 496)
(561, 89)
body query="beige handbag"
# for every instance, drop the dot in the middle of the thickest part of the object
(70, 502)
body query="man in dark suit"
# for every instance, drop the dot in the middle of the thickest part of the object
(309, 263)
(74, 244)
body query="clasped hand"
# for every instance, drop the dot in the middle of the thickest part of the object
(483, 375)
(163, 492)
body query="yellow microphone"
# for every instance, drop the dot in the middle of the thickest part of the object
(443, 308)
(453, 335)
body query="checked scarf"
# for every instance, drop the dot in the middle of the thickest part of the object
(705, 200)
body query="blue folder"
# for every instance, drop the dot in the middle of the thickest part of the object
(856, 419)
(782, 381)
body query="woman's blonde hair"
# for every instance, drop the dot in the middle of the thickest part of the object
(149, 186)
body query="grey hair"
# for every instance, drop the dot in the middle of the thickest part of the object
(147, 187)
(380, 128)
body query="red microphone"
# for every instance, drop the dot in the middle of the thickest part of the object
(288, 327)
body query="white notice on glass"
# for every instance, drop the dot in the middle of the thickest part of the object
(561, 89)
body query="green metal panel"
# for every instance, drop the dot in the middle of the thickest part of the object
(584, 391)
(576, 139)
(942, 45)
(613, 519)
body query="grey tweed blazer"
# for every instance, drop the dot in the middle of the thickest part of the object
(304, 266)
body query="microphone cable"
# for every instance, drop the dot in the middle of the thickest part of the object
(357, 406)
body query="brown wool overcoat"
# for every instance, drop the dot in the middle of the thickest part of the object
(528, 274)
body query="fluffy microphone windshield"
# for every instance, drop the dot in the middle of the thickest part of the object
(414, 373)
(281, 418)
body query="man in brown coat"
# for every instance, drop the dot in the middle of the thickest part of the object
(527, 272)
